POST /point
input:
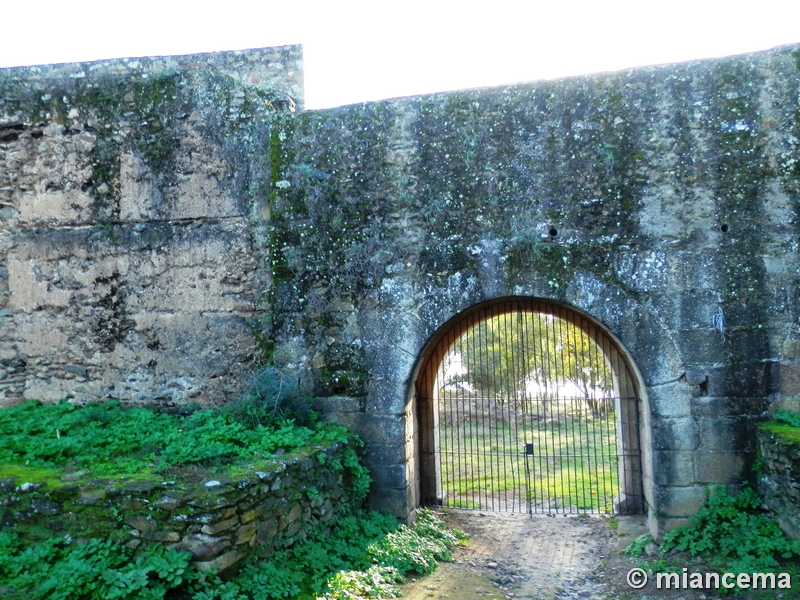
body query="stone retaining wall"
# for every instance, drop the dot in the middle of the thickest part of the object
(779, 482)
(219, 521)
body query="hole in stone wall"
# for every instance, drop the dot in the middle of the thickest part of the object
(724, 228)
(553, 232)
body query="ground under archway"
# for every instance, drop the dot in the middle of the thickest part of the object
(528, 405)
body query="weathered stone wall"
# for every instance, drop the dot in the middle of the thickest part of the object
(130, 265)
(152, 225)
(779, 474)
(270, 506)
(662, 202)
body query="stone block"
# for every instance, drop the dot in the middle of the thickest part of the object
(735, 434)
(690, 270)
(696, 375)
(267, 530)
(167, 503)
(661, 525)
(291, 531)
(245, 533)
(394, 501)
(643, 272)
(658, 358)
(398, 331)
(339, 404)
(790, 349)
(45, 506)
(376, 429)
(673, 468)
(248, 516)
(682, 502)
(379, 453)
(785, 378)
(672, 399)
(674, 434)
(215, 528)
(56, 207)
(391, 364)
(385, 396)
(718, 467)
(291, 515)
(221, 563)
(697, 309)
(702, 346)
(162, 536)
(396, 292)
(142, 523)
(709, 406)
(746, 379)
(388, 476)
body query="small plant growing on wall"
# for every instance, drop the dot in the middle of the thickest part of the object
(266, 398)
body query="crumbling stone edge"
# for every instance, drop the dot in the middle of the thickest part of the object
(271, 505)
(779, 478)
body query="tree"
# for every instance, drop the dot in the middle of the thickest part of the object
(506, 355)
(589, 371)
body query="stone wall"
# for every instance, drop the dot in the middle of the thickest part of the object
(130, 264)
(219, 521)
(661, 202)
(161, 234)
(779, 477)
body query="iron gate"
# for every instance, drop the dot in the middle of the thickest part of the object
(527, 406)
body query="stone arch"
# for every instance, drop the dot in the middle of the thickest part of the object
(629, 390)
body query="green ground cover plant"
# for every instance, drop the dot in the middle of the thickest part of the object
(735, 533)
(365, 555)
(59, 569)
(110, 440)
(731, 534)
(788, 417)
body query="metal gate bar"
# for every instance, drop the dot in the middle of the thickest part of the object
(526, 406)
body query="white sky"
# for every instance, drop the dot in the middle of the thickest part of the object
(367, 50)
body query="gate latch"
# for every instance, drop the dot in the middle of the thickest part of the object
(529, 449)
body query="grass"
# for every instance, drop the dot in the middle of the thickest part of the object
(569, 465)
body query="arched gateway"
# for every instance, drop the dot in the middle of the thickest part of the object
(528, 405)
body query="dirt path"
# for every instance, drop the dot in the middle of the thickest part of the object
(554, 558)
(522, 557)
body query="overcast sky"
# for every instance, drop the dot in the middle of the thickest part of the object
(367, 50)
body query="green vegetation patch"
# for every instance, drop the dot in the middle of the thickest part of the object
(38, 441)
(363, 556)
(59, 569)
(732, 534)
